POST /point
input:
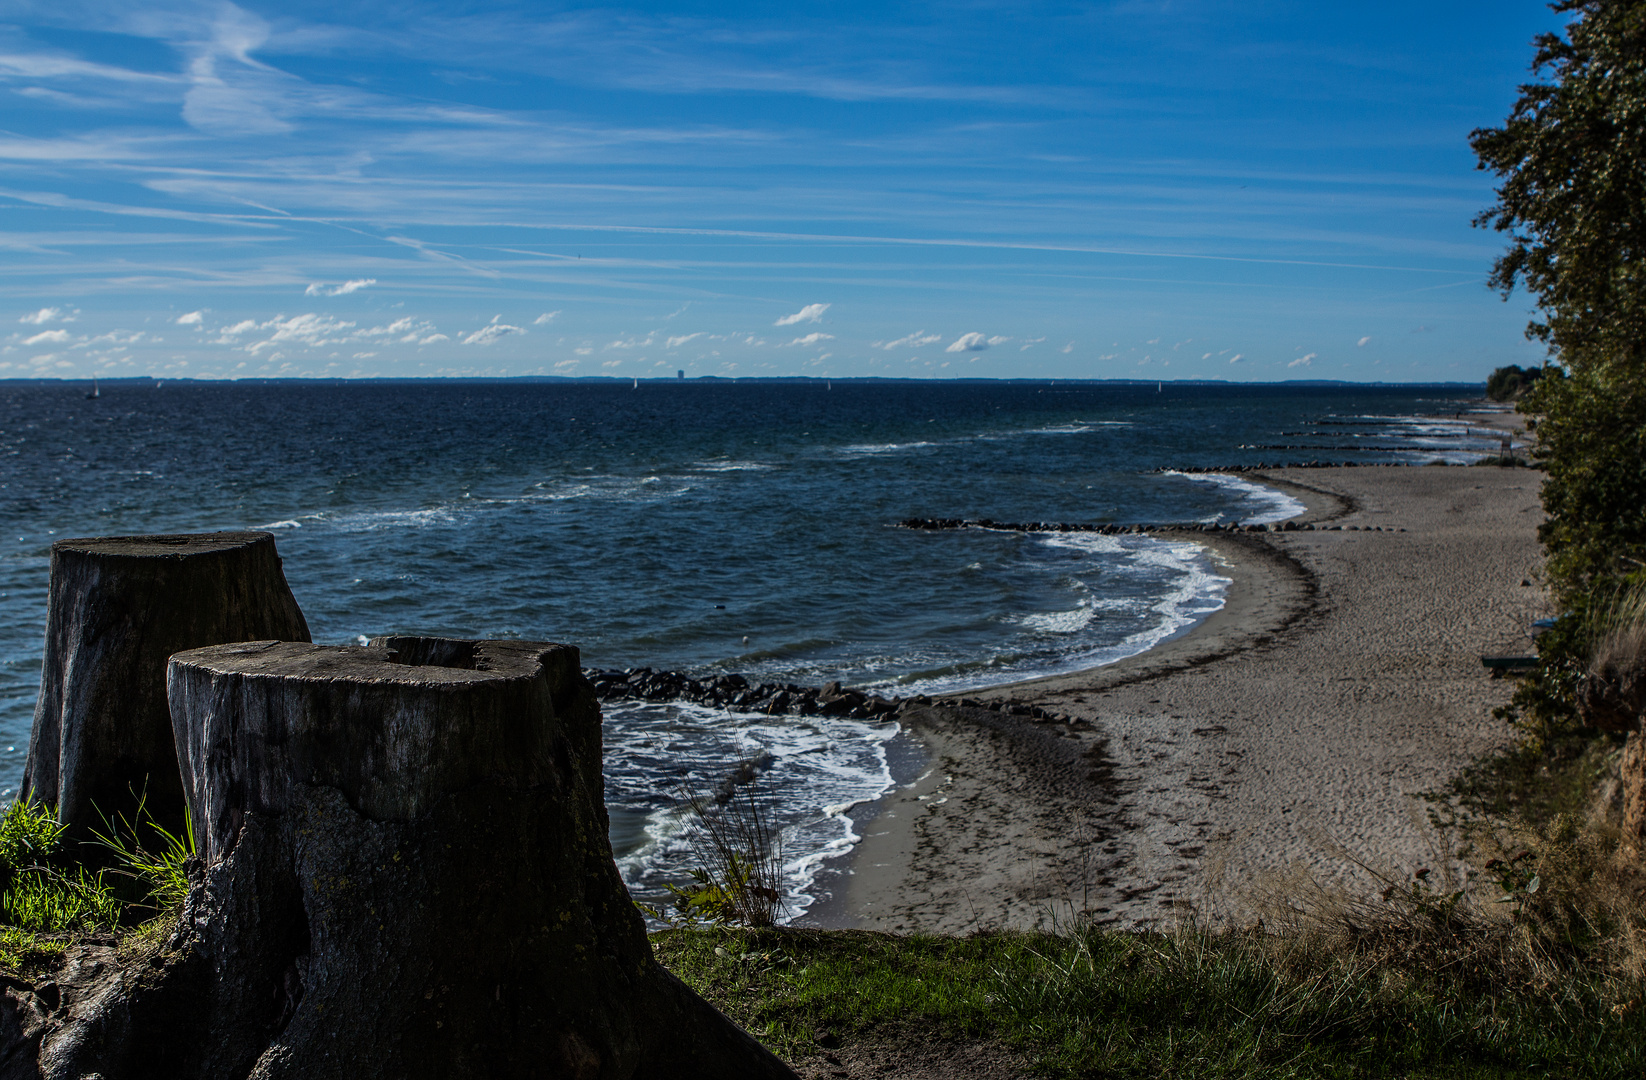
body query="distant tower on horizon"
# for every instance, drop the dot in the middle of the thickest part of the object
(681, 374)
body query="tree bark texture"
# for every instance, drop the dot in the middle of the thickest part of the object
(117, 608)
(406, 874)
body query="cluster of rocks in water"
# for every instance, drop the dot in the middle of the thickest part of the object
(1264, 466)
(935, 524)
(737, 692)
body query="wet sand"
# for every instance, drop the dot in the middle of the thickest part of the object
(1341, 679)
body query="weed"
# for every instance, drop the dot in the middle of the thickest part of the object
(160, 865)
(739, 876)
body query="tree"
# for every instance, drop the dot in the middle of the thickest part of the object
(1572, 158)
(1508, 383)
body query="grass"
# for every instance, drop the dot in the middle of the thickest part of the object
(48, 898)
(1189, 1003)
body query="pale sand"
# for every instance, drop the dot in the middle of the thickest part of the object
(1341, 679)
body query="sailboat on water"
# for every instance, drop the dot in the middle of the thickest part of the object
(95, 392)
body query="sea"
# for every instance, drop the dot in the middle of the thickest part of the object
(707, 526)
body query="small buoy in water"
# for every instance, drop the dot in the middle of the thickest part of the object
(745, 639)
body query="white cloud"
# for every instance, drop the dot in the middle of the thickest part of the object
(973, 342)
(565, 365)
(809, 313)
(676, 342)
(309, 329)
(44, 316)
(581, 350)
(1069, 347)
(546, 317)
(1303, 361)
(1363, 341)
(55, 337)
(193, 318)
(998, 340)
(322, 289)
(1029, 343)
(432, 338)
(912, 341)
(812, 339)
(1237, 358)
(491, 332)
(238, 328)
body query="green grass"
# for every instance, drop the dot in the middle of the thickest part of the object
(1191, 1003)
(41, 892)
(47, 897)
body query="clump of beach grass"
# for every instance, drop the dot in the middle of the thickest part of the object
(45, 898)
(739, 874)
(49, 899)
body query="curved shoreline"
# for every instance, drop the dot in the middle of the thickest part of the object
(1340, 677)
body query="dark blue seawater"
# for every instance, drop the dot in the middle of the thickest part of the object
(709, 526)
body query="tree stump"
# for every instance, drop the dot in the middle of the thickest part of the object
(117, 608)
(406, 875)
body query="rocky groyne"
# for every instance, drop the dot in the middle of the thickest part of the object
(737, 692)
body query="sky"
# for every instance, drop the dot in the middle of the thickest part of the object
(1251, 191)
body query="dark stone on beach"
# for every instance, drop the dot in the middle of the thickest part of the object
(117, 607)
(405, 874)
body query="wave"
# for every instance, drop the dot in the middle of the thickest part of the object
(813, 770)
(1177, 585)
(1261, 505)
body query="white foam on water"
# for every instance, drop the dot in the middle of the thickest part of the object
(819, 769)
(1057, 622)
(872, 449)
(375, 520)
(1258, 505)
(1188, 589)
(731, 466)
(289, 524)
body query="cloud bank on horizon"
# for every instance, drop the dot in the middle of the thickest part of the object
(221, 189)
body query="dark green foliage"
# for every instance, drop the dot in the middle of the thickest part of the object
(1508, 383)
(1573, 197)
(1572, 160)
(1190, 1003)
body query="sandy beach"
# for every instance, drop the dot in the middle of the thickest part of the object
(1341, 678)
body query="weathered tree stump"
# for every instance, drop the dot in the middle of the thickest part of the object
(407, 875)
(117, 608)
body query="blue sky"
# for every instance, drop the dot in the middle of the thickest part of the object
(1248, 191)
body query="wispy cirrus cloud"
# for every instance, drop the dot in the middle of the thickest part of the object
(51, 336)
(676, 342)
(44, 316)
(320, 288)
(916, 340)
(809, 313)
(812, 339)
